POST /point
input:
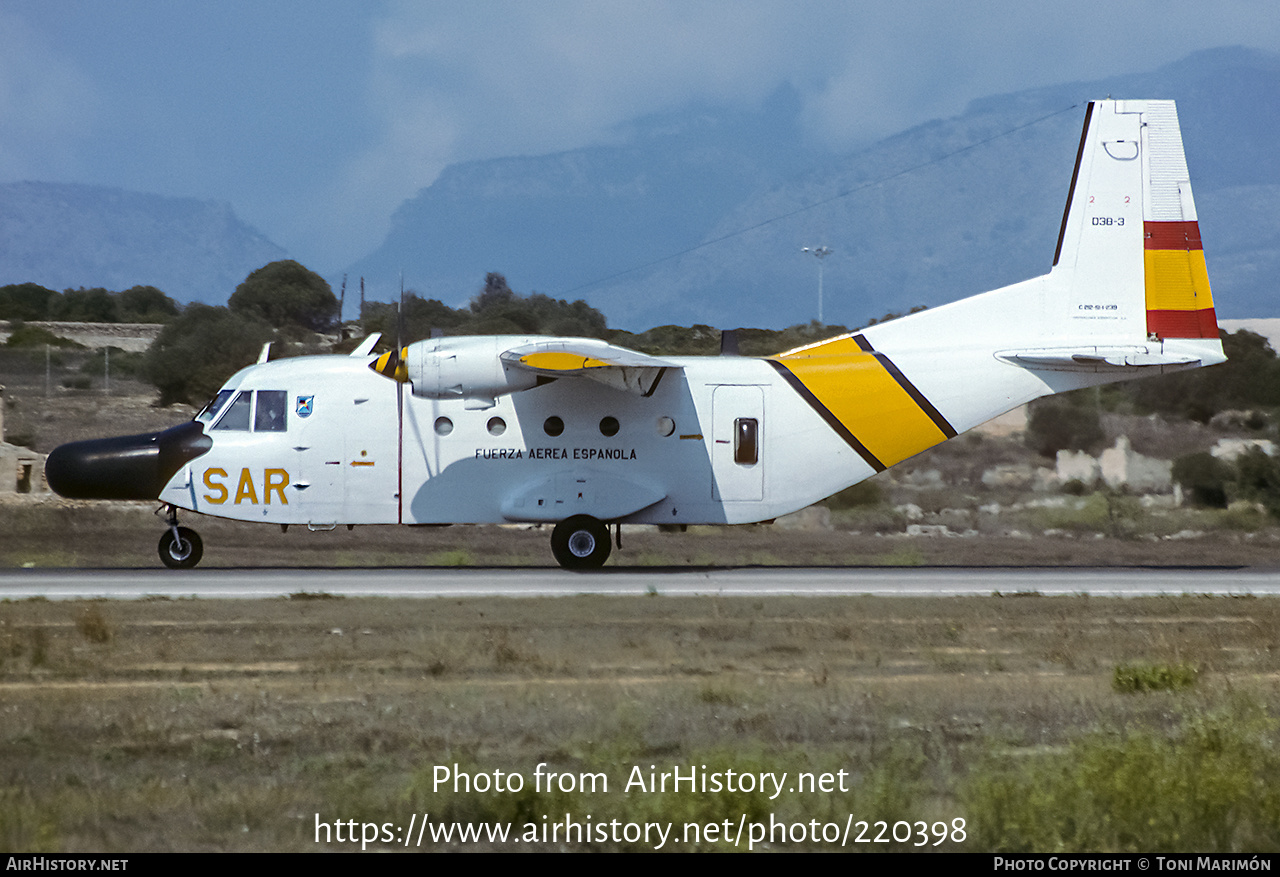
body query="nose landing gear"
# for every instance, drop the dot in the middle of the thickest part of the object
(180, 547)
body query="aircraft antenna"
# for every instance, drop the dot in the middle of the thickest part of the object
(399, 405)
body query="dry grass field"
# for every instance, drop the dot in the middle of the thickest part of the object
(224, 725)
(1042, 723)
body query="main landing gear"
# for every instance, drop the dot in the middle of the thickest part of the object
(180, 547)
(581, 542)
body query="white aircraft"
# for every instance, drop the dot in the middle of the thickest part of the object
(582, 434)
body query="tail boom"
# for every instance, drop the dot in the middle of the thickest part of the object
(1128, 296)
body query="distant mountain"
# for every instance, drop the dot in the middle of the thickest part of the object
(554, 221)
(64, 235)
(940, 211)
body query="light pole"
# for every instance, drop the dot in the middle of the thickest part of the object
(821, 253)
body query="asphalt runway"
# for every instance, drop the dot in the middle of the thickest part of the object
(215, 584)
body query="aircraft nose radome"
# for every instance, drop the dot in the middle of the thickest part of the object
(124, 467)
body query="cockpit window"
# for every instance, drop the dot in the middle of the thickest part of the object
(215, 404)
(237, 414)
(270, 413)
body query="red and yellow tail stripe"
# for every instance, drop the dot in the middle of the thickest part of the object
(865, 398)
(1179, 302)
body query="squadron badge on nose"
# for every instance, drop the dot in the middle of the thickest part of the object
(305, 404)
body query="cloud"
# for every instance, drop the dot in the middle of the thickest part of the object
(318, 120)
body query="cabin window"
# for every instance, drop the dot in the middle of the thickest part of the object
(215, 404)
(553, 426)
(609, 426)
(270, 413)
(237, 414)
(746, 446)
(444, 426)
(497, 426)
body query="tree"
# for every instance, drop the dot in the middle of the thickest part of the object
(197, 351)
(495, 310)
(145, 304)
(286, 294)
(498, 310)
(25, 301)
(82, 305)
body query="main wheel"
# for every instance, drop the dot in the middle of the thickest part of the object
(183, 552)
(580, 542)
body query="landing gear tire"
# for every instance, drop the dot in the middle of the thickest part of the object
(581, 542)
(184, 552)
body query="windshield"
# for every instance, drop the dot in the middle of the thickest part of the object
(215, 404)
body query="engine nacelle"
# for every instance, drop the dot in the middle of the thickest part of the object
(466, 368)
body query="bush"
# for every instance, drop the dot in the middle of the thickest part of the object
(1205, 478)
(1132, 678)
(1069, 421)
(34, 336)
(199, 350)
(1258, 480)
(1249, 378)
(1213, 786)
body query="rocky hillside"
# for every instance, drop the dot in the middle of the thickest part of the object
(940, 211)
(64, 236)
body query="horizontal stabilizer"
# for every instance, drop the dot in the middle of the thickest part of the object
(1092, 359)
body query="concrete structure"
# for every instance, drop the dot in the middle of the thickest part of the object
(21, 469)
(1118, 466)
(1230, 449)
(132, 337)
(1122, 466)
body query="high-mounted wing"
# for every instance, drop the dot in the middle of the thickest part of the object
(481, 368)
(613, 366)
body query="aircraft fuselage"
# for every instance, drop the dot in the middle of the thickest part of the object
(707, 446)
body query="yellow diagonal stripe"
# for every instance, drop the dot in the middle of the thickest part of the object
(863, 396)
(1177, 280)
(844, 344)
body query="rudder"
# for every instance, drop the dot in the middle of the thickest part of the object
(1129, 248)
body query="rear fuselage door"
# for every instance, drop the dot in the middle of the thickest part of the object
(737, 447)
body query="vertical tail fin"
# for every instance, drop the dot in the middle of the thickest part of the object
(1130, 240)
(1128, 296)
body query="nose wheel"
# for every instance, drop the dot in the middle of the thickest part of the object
(581, 542)
(180, 547)
(182, 551)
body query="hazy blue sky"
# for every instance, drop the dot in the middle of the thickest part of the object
(316, 118)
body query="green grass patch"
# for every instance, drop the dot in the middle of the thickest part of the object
(1213, 785)
(1134, 678)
